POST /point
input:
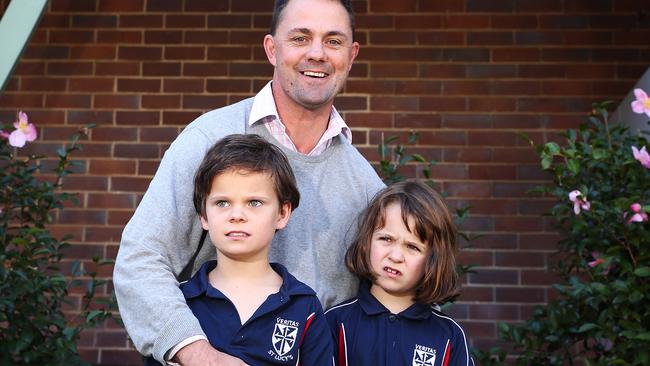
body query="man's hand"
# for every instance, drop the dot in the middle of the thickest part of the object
(201, 353)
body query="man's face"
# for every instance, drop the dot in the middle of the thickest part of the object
(312, 52)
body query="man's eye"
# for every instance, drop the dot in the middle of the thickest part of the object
(222, 204)
(299, 39)
(334, 42)
(255, 203)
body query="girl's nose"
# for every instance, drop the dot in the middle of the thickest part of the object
(396, 255)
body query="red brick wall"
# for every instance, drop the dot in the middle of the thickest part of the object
(467, 75)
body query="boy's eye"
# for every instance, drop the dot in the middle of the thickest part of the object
(255, 203)
(222, 203)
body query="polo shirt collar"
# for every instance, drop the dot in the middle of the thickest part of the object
(199, 284)
(371, 306)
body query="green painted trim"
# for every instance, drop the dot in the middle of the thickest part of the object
(16, 27)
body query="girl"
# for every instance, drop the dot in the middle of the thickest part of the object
(404, 254)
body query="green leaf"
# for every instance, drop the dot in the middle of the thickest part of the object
(552, 148)
(599, 154)
(93, 314)
(546, 161)
(587, 327)
(643, 336)
(642, 271)
(574, 166)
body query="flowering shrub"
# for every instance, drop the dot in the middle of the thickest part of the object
(33, 327)
(601, 187)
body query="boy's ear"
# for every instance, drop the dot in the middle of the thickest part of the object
(204, 223)
(285, 213)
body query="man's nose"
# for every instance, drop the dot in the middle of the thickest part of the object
(316, 51)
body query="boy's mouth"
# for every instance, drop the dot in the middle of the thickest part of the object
(237, 234)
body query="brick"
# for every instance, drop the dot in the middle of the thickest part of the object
(491, 138)
(465, 21)
(467, 155)
(161, 69)
(441, 71)
(377, 120)
(394, 103)
(373, 21)
(138, 85)
(120, 357)
(164, 5)
(163, 37)
(185, 21)
(117, 68)
(21, 100)
(539, 38)
(67, 101)
(52, 133)
(43, 84)
(44, 117)
(147, 167)
(139, 53)
(83, 117)
(493, 311)
(251, 6)
(516, 54)
(137, 118)
(566, 55)
(179, 118)
(29, 68)
(443, 138)
(119, 37)
(87, 52)
(105, 200)
(492, 172)
(620, 54)
(70, 36)
(183, 85)
(515, 155)
(51, 20)
(104, 234)
(141, 21)
(564, 21)
(114, 101)
(205, 69)
(476, 293)
(241, 69)
(230, 21)
(111, 339)
(351, 103)
(69, 68)
(519, 259)
(517, 22)
(467, 54)
(396, 70)
(161, 101)
(393, 37)
(94, 21)
(481, 258)
(469, 189)
(126, 184)
(520, 295)
(184, 53)
(82, 217)
(158, 134)
(83, 251)
(491, 206)
(121, 6)
(90, 84)
(228, 85)
(142, 151)
(443, 104)
(516, 87)
(206, 5)
(112, 167)
(494, 276)
(72, 5)
(46, 52)
(491, 104)
(208, 37)
(405, 6)
(111, 134)
(539, 277)
(490, 38)
(420, 120)
(204, 102)
(518, 224)
(589, 6)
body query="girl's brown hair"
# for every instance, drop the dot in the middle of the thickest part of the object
(433, 225)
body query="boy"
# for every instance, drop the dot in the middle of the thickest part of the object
(249, 308)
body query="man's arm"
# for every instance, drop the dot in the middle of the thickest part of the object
(156, 243)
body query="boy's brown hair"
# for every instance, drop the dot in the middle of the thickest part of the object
(249, 153)
(433, 225)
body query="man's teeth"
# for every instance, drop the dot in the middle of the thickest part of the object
(314, 74)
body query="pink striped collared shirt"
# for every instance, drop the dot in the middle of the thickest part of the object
(264, 111)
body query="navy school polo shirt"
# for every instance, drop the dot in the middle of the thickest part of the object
(289, 328)
(366, 333)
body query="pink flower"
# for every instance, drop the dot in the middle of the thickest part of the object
(24, 131)
(638, 215)
(597, 260)
(579, 202)
(642, 156)
(642, 102)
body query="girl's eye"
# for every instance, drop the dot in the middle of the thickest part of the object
(222, 204)
(414, 248)
(255, 203)
(385, 238)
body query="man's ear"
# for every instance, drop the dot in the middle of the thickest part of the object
(269, 48)
(354, 52)
(285, 214)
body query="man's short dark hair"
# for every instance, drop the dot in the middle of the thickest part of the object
(281, 4)
(248, 153)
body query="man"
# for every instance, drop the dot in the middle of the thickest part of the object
(312, 49)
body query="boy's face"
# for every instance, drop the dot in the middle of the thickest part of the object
(242, 214)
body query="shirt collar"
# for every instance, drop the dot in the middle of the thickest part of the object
(199, 284)
(264, 106)
(371, 306)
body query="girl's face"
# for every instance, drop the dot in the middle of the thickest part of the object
(397, 256)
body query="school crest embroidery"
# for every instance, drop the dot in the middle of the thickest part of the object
(285, 336)
(423, 356)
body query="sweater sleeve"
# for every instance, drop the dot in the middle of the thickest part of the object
(316, 346)
(156, 243)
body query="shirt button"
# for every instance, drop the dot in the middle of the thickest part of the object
(392, 317)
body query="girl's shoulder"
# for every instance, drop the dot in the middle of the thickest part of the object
(446, 322)
(343, 307)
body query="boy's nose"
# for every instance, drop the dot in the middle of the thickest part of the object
(237, 214)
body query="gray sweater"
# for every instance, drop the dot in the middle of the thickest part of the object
(164, 231)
